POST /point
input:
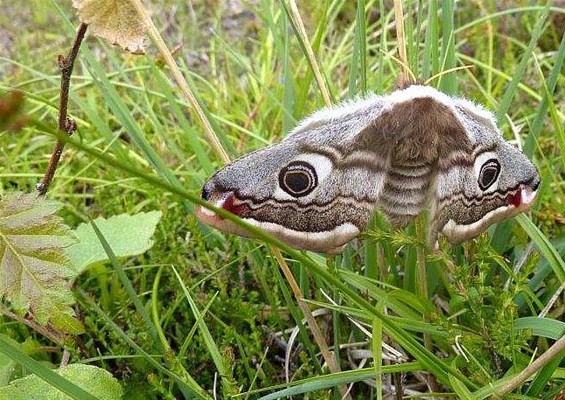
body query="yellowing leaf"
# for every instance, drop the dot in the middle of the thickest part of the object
(35, 270)
(115, 21)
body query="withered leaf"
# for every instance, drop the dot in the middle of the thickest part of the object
(113, 20)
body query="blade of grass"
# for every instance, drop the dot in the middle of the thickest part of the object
(288, 93)
(187, 130)
(134, 298)
(180, 80)
(510, 91)
(41, 371)
(461, 390)
(154, 310)
(372, 248)
(213, 350)
(186, 383)
(271, 95)
(509, 11)
(544, 245)
(448, 83)
(298, 26)
(332, 380)
(377, 347)
(548, 102)
(382, 46)
(361, 45)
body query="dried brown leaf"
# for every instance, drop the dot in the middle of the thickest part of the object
(113, 20)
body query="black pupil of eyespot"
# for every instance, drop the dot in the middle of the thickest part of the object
(298, 178)
(297, 181)
(489, 173)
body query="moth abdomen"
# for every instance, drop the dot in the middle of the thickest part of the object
(402, 204)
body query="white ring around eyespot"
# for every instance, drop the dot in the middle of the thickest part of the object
(321, 164)
(479, 161)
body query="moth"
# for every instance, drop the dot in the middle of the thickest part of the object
(413, 149)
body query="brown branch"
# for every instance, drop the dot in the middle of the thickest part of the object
(51, 334)
(66, 124)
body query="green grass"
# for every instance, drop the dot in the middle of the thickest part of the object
(203, 312)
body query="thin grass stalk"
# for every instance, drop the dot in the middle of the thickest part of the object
(448, 83)
(180, 80)
(549, 89)
(328, 381)
(223, 370)
(139, 307)
(361, 42)
(296, 19)
(188, 386)
(509, 11)
(517, 76)
(404, 76)
(490, 59)
(288, 94)
(312, 324)
(382, 45)
(377, 347)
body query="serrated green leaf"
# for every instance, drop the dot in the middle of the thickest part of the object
(35, 270)
(127, 235)
(94, 380)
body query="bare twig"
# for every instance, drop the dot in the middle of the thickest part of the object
(66, 124)
(51, 334)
